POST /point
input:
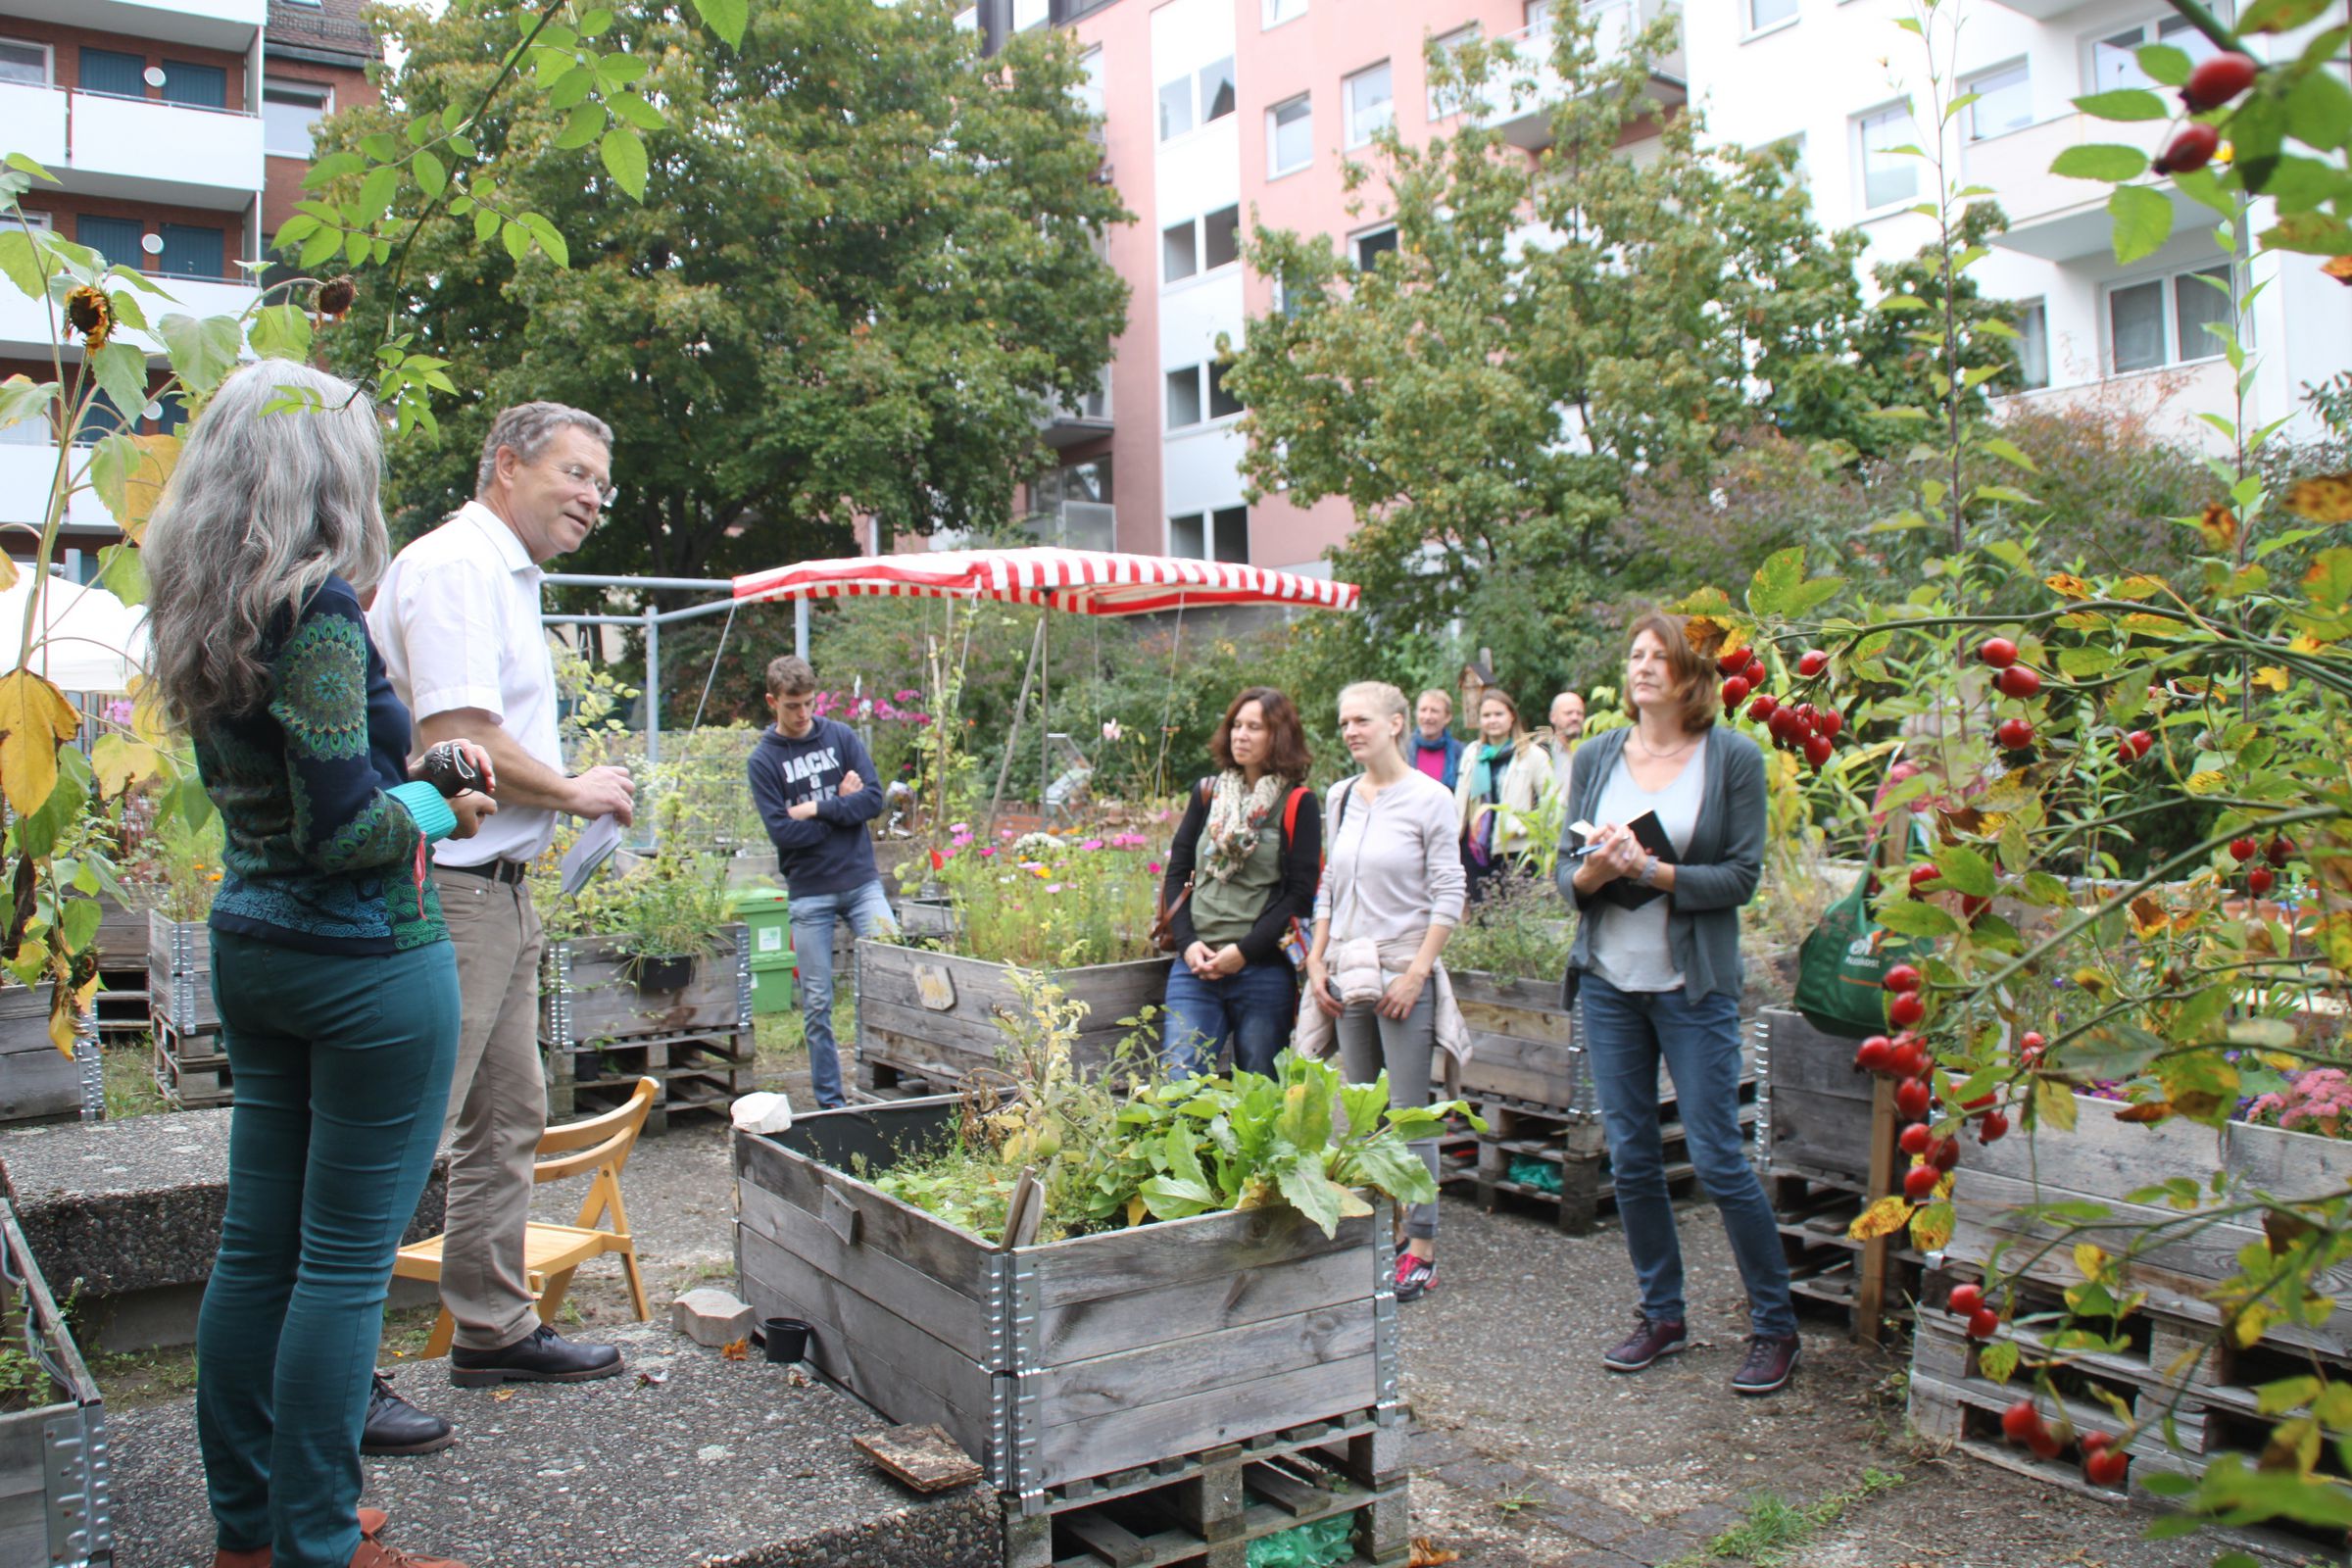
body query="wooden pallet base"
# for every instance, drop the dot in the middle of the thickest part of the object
(1208, 1509)
(1574, 1146)
(120, 1006)
(698, 1071)
(1825, 1263)
(879, 1079)
(191, 1070)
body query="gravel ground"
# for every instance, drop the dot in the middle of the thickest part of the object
(1529, 1452)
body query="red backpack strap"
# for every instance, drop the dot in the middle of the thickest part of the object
(1290, 815)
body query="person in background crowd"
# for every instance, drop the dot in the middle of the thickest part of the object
(1567, 728)
(458, 618)
(1241, 880)
(1659, 978)
(337, 984)
(1391, 895)
(1504, 777)
(1436, 751)
(816, 790)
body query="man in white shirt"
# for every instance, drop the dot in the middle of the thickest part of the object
(457, 618)
(1567, 728)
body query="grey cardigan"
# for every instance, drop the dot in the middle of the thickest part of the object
(1716, 875)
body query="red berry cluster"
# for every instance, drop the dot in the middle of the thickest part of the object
(2104, 1464)
(2211, 85)
(2021, 681)
(1904, 1057)
(1794, 726)
(2259, 879)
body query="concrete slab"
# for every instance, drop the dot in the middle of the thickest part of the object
(718, 1464)
(135, 1205)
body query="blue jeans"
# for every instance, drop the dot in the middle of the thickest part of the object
(1625, 1033)
(343, 1065)
(814, 917)
(1254, 1009)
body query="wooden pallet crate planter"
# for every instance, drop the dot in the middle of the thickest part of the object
(2101, 1160)
(1061, 1367)
(120, 1008)
(1576, 1147)
(56, 1495)
(933, 1015)
(191, 1070)
(1816, 1103)
(180, 974)
(38, 1083)
(588, 995)
(122, 934)
(1523, 1044)
(696, 1071)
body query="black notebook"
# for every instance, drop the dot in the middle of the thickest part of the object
(1650, 834)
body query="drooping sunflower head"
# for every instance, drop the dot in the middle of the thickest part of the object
(88, 313)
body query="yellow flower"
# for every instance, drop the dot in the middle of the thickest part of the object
(89, 313)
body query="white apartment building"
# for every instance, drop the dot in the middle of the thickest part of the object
(1221, 111)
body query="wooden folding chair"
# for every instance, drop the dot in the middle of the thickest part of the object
(551, 1252)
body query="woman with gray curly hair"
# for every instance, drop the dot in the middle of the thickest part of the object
(337, 987)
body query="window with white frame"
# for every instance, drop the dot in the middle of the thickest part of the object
(290, 116)
(1444, 101)
(2004, 100)
(2164, 321)
(968, 20)
(1279, 11)
(38, 218)
(1219, 535)
(1201, 245)
(1763, 14)
(2033, 344)
(23, 63)
(1370, 101)
(1196, 98)
(2115, 59)
(1887, 176)
(1027, 14)
(1090, 81)
(1196, 393)
(1372, 244)
(1290, 136)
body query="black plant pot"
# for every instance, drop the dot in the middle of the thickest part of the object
(663, 974)
(785, 1338)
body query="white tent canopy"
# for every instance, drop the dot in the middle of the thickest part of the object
(85, 639)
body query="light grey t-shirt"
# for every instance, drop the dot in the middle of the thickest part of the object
(1630, 947)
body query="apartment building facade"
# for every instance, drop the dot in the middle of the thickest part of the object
(178, 132)
(1223, 113)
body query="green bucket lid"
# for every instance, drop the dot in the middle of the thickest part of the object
(757, 897)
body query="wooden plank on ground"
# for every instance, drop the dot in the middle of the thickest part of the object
(923, 1458)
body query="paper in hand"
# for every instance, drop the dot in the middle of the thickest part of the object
(589, 852)
(1650, 834)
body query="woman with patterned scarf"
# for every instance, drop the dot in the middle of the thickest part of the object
(1241, 881)
(1506, 774)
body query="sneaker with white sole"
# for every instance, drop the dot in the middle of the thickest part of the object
(1415, 1277)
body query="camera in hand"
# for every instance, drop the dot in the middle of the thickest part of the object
(451, 772)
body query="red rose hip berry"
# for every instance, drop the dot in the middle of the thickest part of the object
(1828, 721)
(1902, 977)
(2019, 1421)
(2218, 79)
(1984, 1323)
(2019, 681)
(1733, 661)
(1998, 652)
(1993, 1128)
(1911, 1098)
(1753, 673)
(1819, 749)
(2139, 744)
(2280, 851)
(1919, 1182)
(1906, 1010)
(2106, 1466)
(1916, 1138)
(1966, 1300)
(1811, 662)
(1923, 874)
(1734, 690)
(2242, 850)
(1763, 707)
(2014, 734)
(2192, 148)
(2259, 880)
(1875, 1054)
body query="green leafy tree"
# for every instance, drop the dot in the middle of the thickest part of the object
(1546, 328)
(861, 259)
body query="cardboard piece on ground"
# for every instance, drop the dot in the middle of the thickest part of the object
(926, 1459)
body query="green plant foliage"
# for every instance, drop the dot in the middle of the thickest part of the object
(862, 258)
(1519, 931)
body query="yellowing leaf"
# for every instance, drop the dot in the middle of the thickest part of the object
(1882, 1218)
(2325, 497)
(2069, 585)
(1706, 635)
(34, 720)
(2140, 585)
(2054, 1104)
(7, 572)
(2218, 525)
(121, 761)
(2094, 981)
(62, 1019)
(147, 721)
(2090, 1259)
(143, 481)
(2142, 621)
(736, 1349)
(2147, 916)
(1932, 1226)
(2207, 780)
(2270, 676)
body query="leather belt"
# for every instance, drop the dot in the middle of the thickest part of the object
(510, 873)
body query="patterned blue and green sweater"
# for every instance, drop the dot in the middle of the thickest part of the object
(325, 834)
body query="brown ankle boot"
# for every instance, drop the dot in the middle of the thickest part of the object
(372, 1522)
(374, 1553)
(258, 1557)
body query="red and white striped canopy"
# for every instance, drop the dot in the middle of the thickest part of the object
(1086, 582)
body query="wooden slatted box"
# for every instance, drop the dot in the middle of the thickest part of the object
(1057, 1363)
(934, 1014)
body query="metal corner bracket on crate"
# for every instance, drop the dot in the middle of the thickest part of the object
(77, 1477)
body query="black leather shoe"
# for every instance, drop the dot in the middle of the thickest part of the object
(395, 1426)
(541, 1356)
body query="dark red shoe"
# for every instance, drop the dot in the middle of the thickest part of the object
(1653, 1338)
(1771, 1363)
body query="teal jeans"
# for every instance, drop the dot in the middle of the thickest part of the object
(342, 1065)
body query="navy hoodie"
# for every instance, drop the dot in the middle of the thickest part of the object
(831, 851)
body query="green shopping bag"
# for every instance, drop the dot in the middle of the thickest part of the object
(1843, 962)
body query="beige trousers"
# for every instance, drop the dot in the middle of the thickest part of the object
(497, 1109)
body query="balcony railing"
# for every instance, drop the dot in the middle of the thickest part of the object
(2055, 217)
(1077, 525)
(1520, 92)
(1065, 425)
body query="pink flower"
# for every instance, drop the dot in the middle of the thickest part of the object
(1152, 867)
(906, 696)
(1092, 843)
(1053, 886)
(1110, 729)
(960, 827)
(987, 850)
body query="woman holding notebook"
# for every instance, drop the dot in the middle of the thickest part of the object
(1665, 843)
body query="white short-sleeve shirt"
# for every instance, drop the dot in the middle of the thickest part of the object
(457, 619)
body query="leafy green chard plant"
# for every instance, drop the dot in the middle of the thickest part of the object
(1520, 931)
(1128, 1145)
(2050, 720)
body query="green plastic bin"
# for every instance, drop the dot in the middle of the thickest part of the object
(767, 911)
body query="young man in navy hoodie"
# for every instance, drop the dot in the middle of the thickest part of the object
(816, 790)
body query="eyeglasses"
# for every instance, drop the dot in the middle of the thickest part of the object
(595, 484)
